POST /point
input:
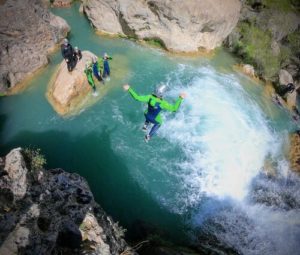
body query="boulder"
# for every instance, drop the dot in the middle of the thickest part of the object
(285, 77)
(182, 26)
(248, 70)
(67, 90)
(28, 32)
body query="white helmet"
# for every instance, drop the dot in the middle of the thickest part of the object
(160, 90)
(76, 48)
(87, 64)
(66, 41)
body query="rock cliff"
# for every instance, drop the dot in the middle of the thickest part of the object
(28, 31)
(182, 26)
(51, 212)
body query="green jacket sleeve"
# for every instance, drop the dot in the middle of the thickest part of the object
(100, 64)
(171, 107)
(138, 97)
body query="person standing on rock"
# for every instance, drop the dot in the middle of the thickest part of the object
(89, 74)
(67, 52)
(106, 68)
(156, 103)
(77, 55)
(97, 69)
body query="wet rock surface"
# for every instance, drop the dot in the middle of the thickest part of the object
(56, 215)
(28, 31)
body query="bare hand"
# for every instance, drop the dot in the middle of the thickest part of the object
(126, 87)
(182, 95)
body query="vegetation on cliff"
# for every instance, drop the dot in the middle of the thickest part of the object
(267, 37)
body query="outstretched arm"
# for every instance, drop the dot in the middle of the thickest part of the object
(172, 107)
(135, 95)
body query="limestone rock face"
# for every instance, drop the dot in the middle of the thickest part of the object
(57, 214)
(14, 180)
(27, 32)
(68, 89)
(183, 26)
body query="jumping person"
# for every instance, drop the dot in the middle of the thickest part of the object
(156, 103)
(67, 52)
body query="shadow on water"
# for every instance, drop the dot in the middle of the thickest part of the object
(3, 119)
(106, 174)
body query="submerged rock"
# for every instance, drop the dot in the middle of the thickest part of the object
(53, 214)
(183, 26)
(27, 32)
(68, 90)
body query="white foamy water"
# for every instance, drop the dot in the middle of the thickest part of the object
(223, 134)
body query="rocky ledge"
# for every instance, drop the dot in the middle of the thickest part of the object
(28, 31)
(182, 26)
(69, 92)
(51, 212)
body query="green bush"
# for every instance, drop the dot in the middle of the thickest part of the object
(35, 159)
(255, 47)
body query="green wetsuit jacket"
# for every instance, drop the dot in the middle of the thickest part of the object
(153, 100)
(89, 74)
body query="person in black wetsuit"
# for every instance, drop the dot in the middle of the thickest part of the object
(67, 52)
(77, 54)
